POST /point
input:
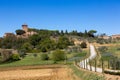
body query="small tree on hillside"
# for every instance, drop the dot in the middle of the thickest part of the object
(58, 55)
(44, 56)
(83, 45)
(20, 32)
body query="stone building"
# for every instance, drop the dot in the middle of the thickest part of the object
(117, 36)
(27, 30)
(104, 37)
(9, 34)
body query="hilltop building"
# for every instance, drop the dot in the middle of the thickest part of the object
(27, 30)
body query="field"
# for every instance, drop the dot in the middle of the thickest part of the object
(32, 60)
(51, 72)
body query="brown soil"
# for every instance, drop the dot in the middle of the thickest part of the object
(37, 73)
(112, 77)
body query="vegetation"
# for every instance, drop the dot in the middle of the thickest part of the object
(110, 56)
(83, 45)
(58, 55)
(20, 32)
(85, 75)
(44, 56)
(15, 57)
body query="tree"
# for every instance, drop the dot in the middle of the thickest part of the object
(15, 57)
(58, 55)
(66, 32)
(83, 45)
(44, 56)
(35, 39)
(62, 32)
(46, 45)
(63, 42)
(91, 33)
(20, 32)
(27, 46)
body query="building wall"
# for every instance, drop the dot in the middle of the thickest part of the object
(115, 36)
(25, 27)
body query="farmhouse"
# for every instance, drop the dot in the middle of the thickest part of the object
(104, 37)
(117, 36)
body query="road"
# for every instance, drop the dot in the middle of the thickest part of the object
(93, 54)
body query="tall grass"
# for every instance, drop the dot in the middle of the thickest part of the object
(85, 75)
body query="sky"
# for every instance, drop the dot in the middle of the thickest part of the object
(80, 15)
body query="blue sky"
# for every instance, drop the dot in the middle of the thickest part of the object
(101, 15)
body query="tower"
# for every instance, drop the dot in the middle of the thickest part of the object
(25, 27)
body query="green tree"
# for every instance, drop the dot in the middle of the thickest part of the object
(58, 55)
(91, 33)
(63, 42)
(35, 39)
(20, 32)
(15, 57)
(27, 46)
(62, 32)
(83, 45)
(44, 56)
(46, 45)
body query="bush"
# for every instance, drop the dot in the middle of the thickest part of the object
(83, 45)
(58, 55)
(102, 49)
(15, 57)
(112, 73)
(35, 55)
(22, 53)
(44, 56)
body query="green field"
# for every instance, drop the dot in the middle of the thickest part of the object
(30, 59)
(26, 61)
(115, 50)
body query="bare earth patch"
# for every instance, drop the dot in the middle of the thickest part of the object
(112, 77)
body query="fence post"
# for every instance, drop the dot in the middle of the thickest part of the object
(95, 65)
(108, 64)
(84, 64)
(102, 66)
(90, 65)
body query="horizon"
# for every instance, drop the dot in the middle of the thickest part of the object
(100, 15)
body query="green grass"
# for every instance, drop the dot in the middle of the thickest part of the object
(28, 60)
(85, 75)
(114, 50)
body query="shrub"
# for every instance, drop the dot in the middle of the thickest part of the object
(83, 45)
(44, 56)
(103, 49)
(58, 55)
(22, 53)
(15, 57)
(35, 55)
(112, 73)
